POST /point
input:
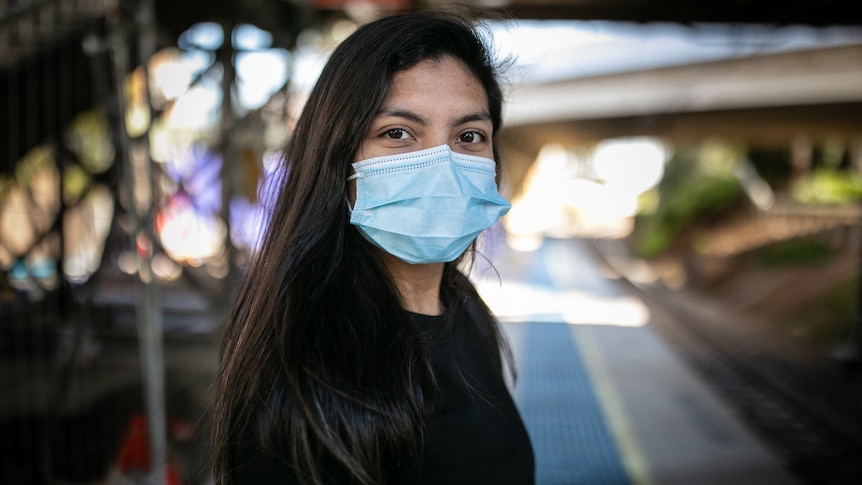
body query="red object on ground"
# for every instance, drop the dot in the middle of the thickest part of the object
(134, 454)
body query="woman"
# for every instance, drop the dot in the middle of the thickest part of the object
(356, 350)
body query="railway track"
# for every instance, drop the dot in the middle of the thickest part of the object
(808, 414)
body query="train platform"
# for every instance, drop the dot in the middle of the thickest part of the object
(606, 399)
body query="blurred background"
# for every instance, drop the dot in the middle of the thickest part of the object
(715, 147)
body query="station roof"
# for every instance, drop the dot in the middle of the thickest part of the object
(33, 70)
(826, 12)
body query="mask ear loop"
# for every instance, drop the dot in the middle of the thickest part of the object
(346, 198)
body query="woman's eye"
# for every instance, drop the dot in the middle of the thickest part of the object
(471, 137)
(397, 134)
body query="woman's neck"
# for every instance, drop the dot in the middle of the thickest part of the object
(418, 284)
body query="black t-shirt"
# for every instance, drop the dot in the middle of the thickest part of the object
(475, 434)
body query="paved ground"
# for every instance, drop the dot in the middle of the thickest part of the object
(605, 399)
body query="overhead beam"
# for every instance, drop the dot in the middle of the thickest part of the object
(825, 12)
(823, 76)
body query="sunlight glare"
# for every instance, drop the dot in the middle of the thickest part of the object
(204, 35)
(518, 302)
(260, 75)
(196, 109)
(540, 209)
(191, 238)
(632, 164)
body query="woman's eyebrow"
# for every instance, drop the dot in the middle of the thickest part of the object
(409, 115)
(402, 113)
(472, 117)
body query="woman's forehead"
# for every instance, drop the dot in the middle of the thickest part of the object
(432, 81)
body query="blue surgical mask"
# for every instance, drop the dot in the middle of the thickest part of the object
(426, 206)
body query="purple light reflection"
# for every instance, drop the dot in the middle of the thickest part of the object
(250, 220)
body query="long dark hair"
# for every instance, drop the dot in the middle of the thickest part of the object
(319, 358)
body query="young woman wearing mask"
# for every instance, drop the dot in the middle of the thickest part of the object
(357, 351)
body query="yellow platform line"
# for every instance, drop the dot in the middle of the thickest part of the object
(612, 406)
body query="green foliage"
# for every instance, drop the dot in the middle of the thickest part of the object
(794, 252)
(697, 198)
(75, 182)
(829, 186)
(89, 137)
(831, 319)
(697, 183)
(681, 168)
(653, 237)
